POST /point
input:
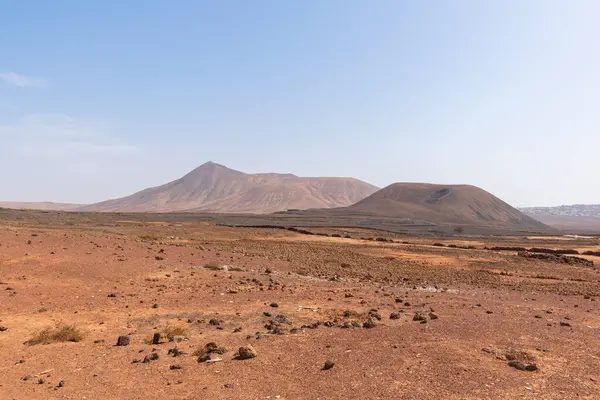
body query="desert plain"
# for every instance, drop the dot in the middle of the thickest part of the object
(208, 311)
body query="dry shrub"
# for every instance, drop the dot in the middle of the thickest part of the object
(171, 331)
(148, 237)
(60, 333)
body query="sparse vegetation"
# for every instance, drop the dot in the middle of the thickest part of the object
(57, 334)
(148, 236)
(171, 331)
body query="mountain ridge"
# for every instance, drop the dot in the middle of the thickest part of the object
(212, 187)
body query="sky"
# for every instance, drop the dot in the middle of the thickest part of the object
(102, 99)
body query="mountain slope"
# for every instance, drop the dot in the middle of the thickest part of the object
(215, 188)
(447, 204)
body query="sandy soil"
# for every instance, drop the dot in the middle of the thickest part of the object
(136, 279)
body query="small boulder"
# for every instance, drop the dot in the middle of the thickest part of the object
(419, 317)
(156, 338)
(246, 353)
(328, 365)
(395, 315)
(369, 323)
(123, 340)
(151, 357)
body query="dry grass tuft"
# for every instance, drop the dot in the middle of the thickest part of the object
(60, 333)
(171, 331)
(148, 236)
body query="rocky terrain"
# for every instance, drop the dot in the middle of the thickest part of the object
(101, 307)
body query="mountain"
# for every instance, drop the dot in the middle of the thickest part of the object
(24, 205)
(445, 204)
(216, 188)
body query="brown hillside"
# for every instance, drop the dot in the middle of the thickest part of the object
(215, 188)
(455, 204)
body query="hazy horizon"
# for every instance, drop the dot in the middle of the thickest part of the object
(101, 100)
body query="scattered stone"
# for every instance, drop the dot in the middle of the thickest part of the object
(41, 381)
(214, 322)
(375, 314)
(531, 367)
(521, 366)
(151, 357)
(175, 366)
(237, 330)
(175, 352)
(395, 315)
(328, 365)
(267, 314)
(155, 305)
(156, 338)
(123, 340)
(203, 357)
(27, 377)
(399, 300)
(99, 341)
(3, 328)
(517, 365)
(229, 386)
(274, 305)
(433, 315)
(212, 347)
(369, 323)
(563, 323)
(61, 384)
(246, 353)
(419, 317)
(112, 295)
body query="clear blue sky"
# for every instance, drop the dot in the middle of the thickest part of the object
(101, 99)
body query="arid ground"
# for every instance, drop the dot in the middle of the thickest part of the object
(404, 318)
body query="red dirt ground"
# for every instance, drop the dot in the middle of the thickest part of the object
(488, 300)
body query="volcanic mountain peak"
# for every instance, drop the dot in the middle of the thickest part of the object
(452, 204)
(216, 188)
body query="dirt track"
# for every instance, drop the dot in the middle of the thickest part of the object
(538, 312)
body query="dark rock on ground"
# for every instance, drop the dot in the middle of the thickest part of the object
(175, 352)
(151, 357)
(522, 366)
(246, 353)
(175, 366)
(328, 365)
(369, 323)
(156, 338)
(123, 340)
(419, 317)
(395, 315)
